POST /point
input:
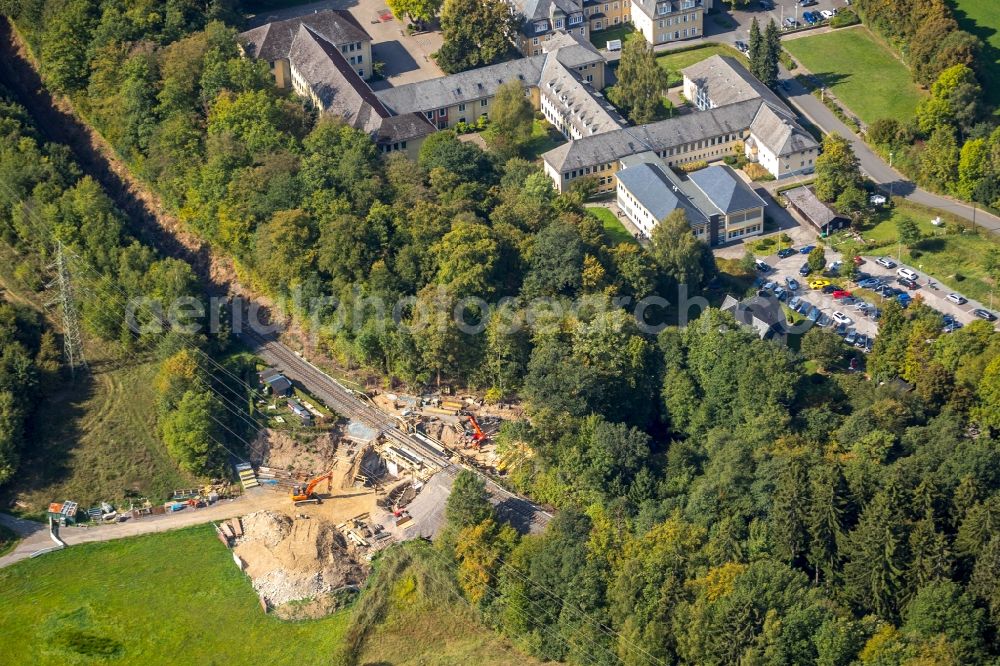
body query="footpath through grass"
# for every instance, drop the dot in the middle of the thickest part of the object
(675, 61)
(982, 19)
(612, 225)
(863, 74)
(167, 598)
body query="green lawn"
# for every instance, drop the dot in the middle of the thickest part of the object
(982, 18)
(601, 38)
(953, 259)
(676, 61)
(862, 73)
(157, 599)
(544, 137)
(177, 597)
(612, 225)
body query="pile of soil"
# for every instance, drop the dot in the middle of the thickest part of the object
(279, 450)
(293, 560)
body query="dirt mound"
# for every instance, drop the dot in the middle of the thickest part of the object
(279, 450)
(296, 559)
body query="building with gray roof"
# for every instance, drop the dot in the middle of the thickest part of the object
(318, 69)
(779, 144)
(722, 80)
(648, 191)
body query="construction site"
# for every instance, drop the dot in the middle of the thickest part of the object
(333, 477)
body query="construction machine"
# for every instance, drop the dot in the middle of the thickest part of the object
(477, 433)
(303, 494)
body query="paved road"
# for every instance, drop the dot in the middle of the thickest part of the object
(35, 536)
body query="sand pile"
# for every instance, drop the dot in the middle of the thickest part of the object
(294, 559)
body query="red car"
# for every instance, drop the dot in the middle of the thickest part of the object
(858, 260)
(841, 293)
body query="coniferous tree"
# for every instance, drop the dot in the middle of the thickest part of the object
(772, 51)
(756, 48)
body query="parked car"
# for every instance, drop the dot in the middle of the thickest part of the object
(841, 318)
(886, 262)
(835, 266)
(869, 283)
(824, 321)
(904, 299)
(957, 299)
(809, 18)
(762, 266)
(814, 314)
(861, 275)
(818, 283)
(808, 3)
(841, 293)
(792, 283)
(807, 249)
(828, 14)
(841, 330)
(848, 300)
(869, 343)
(769, 285)
(858, 260)
(829, 289)
(780, 294)
(851, 337)
(785, 252)
(790, 23)
(804, 270)
(767, 5)
(908, 283)
(742, 47)
(804, 307)
(794, 302)
(984, 314)
(862, 341)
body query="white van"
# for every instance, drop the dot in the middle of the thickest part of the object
(908, 274)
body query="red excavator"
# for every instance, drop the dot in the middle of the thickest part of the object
(307, 493)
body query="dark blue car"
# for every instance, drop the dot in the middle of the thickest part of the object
(807, 249)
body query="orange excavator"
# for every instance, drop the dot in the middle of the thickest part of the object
(302, 494)
(477, 433)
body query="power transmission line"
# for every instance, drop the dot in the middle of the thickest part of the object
(72, 337)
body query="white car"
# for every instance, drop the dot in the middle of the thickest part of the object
(828, 13)
(841, 318)
(957, 299)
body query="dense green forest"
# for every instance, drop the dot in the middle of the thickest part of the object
(719, 500)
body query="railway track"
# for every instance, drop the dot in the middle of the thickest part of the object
(521, 512)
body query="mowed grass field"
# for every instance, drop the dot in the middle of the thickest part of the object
(178, 598)
(612, 225)
(982, 19)
(864, 75)
(675, 62)
(167, 598)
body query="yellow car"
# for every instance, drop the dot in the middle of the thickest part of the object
(818, 284)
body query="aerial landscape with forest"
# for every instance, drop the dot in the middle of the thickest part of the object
(500, 332)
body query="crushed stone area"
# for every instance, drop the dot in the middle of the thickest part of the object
(294, 559)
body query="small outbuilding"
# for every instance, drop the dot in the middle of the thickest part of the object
(299, 410)
(275, 382)
(805, 202)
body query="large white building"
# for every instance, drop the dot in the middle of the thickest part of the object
(735, 111)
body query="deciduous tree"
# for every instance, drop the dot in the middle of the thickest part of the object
(641, 81)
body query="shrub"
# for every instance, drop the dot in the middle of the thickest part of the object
(844, 18)
(691, 166)
(757, 172)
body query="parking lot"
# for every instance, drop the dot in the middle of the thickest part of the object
(826, 303)
(862, 319)
(782, 9)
